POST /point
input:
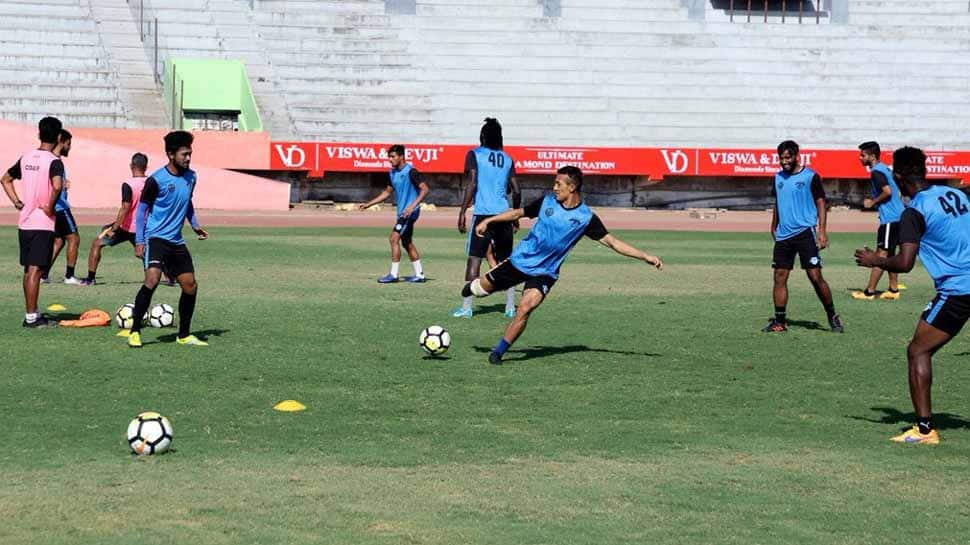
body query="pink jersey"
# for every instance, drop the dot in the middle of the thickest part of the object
(136, 184)
(35, 175)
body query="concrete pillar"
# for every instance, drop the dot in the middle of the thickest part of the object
(696, 9)
(551, 8)
(838, 10)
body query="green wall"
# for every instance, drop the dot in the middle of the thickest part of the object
(210, 84)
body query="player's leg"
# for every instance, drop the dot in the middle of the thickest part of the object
(532, 296)
(824, 294)
(407, 241)
(501, 248)
(187, 309)
(395, 240)
(155, 254)
(477, 248)
(36, 249)
(73, 243)
(46, 271)
(782, 262)
(94, 254)
(891, 245)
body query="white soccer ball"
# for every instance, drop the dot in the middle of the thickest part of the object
(149, 433)
(161, 315)
(435, 340)
(125, 317)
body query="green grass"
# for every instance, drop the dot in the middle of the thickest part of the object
(639, 407)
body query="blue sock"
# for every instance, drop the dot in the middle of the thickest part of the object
(502, 346)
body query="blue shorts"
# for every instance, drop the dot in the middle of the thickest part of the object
(405, 226)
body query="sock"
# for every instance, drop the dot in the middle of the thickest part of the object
(466, 300)
(91, 275)
(893, 290)
(142, 300)
(502, 346)
(830, 310)
(45, 272)
(186, 308)
(510, 299)
(925, 425)
(418, 271)
(395, 268)
(69, 273)
(31, 317)
(780, 314)
(867, 292)
(466, 290)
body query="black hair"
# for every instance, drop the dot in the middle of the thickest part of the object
(491, 135)
(397, 149)
(177, 140)
(139, 161)
(870, 147)
(788, 145)
(910, 164)
(64, 135)
(574, 174)
(50, 129)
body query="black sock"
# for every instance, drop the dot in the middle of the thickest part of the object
(69, 273)
(467, 290)
(142, 301)
(91, 275)
(925, 424)
(830, 310)
(780, 314)
(893, 290)
(867, 292)
(186, 308)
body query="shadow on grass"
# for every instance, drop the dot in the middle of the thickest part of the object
(202, 335)
(942, 421)
(807, 325)
(538, 352)
(490, 309)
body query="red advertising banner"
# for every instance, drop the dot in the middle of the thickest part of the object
(654, 163)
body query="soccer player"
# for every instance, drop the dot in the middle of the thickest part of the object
(122, 229)
(885, 197)
(65, 228)
(42, 174)
(491, 175)
(799, 209)
(410, 189)
(562, 218)
(165, 204)
(936, 226)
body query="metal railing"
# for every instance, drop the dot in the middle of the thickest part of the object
(751, 7)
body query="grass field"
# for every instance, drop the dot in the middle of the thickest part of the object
(639, 407)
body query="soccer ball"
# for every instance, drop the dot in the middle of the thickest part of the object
(125, 317)
(149, 433)
(161, 315)
(435, 340)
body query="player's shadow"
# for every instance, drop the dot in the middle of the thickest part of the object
(490, 309)
(58, 316)
(538, 352)
(807, 324)
(943, 421)
(202, 335)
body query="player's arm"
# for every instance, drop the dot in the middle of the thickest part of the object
(885, 192)
(774, 212)
(57, 184)
(597, 231)
(911, 228)
(127, 197)
(818, 193)
(423, 190)
(194, 221)
(471, 187)
(148, 195)
(13, 173)
(378, 199)
(514, 214)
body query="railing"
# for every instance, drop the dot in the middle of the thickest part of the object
(747, 8)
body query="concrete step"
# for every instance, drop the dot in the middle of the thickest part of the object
(90, 91)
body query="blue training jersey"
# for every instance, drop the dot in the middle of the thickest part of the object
(795, 196)
(938, 217)
(494, 168)
(170, 205)
(556, 230)
(891, 210)
(405, 184)
(62, 204)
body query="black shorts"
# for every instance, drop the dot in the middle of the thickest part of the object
(405, 227)
(498, 235)
(119, 236)
(171, 258)
(64, 223)
(948, 312)
(887, 237)
(505, 276)
(36, 247)
(802, 244)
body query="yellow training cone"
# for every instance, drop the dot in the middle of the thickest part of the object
(289, 406)
(57, 307)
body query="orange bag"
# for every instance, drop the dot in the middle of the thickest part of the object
(90, 318)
